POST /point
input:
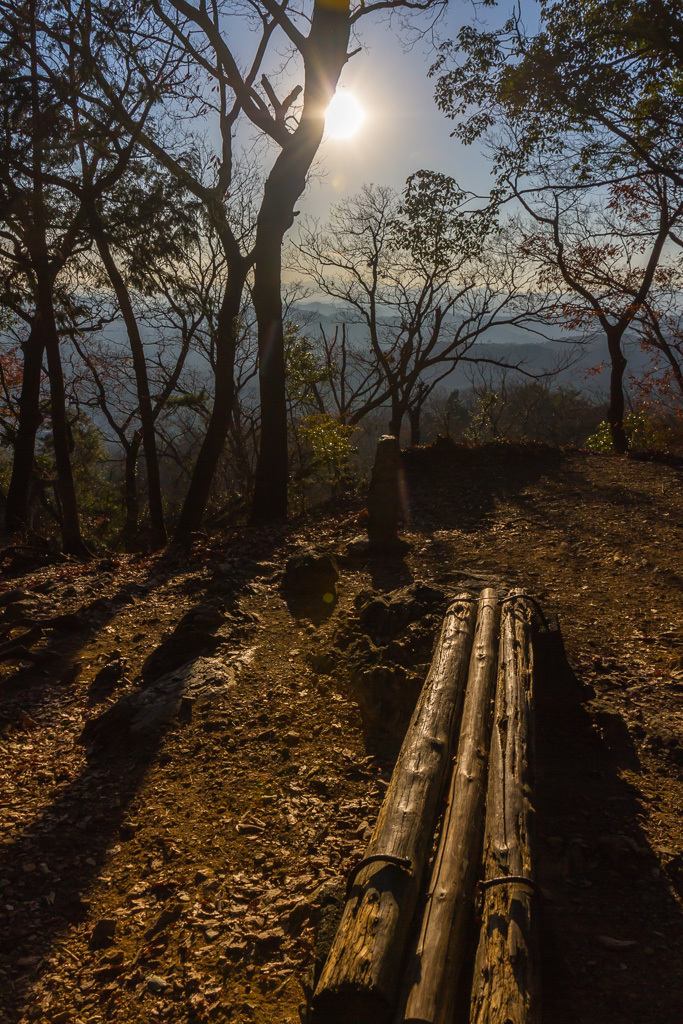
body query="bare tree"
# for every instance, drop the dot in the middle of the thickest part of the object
(424, 277)
(318, 35)
(606, 251)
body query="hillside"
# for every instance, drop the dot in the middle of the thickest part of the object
(192, 867)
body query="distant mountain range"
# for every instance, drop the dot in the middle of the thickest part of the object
(504, 344)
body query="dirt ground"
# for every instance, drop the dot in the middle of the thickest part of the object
(193, 872)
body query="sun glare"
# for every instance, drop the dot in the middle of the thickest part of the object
(344, 116)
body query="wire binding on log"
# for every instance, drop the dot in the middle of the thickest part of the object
(535, 603)
(503, 879)
(488, 883)
(387, 858)
(513, 597)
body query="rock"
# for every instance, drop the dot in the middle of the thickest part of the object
(292, 739)
(141, 716)
(157, 984)
(323, 662)
(616, 944)
(110, 674)
(61, 1017)
(20, 610)
(208, 616)
(71, 674)
(311, 575)
(194, 635)
(103, 933)
(14, 595)
(620, 853)
(673, 865)
(177, 650)
(271, 937)
(386, 616)
(167, 916)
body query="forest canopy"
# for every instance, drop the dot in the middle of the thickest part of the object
(177, 343)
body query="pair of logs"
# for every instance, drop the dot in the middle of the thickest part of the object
(367, 968)
(360, 979)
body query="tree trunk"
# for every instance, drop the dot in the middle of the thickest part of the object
(433, 969)
(131, 502)
(213, 444)
(415, 417)
(18, 508)
(505, 983)
(324, 57)
(616, 395)
(72, 541)
(361, 976)
(45, 275)
(156, 508)
(270, 484)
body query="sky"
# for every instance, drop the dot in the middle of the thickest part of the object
(403, 130)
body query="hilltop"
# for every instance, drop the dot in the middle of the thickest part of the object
(196, 867)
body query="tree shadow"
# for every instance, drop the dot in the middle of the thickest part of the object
(48, 870)
(611, 927)
(456, 486)
(33, 686)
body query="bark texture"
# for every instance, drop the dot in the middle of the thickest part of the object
(433, 969)
(505, 983)
(361, 977)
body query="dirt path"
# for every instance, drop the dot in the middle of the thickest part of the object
(196, 872)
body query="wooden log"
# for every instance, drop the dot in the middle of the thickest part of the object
(433, 969)
(505, 982)
(360, 980)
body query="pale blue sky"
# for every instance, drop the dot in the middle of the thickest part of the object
(403, 131)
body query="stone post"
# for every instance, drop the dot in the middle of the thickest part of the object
(384, 496)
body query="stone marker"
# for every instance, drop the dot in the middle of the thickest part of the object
(384, 496)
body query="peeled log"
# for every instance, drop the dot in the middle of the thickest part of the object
(505, 983)
(361, 976)
(433, 970)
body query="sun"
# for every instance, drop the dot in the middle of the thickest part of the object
(344, 116)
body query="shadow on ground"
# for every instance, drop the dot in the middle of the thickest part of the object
(610, 923)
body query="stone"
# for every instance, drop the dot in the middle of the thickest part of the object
(13, 596)
(208, 616)
(110, 674)
(103, 933)
(140, 716)
(311, 574)
(386, 616)
(176, 651)
(157, 984)
(167, 916)
(271, 937)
